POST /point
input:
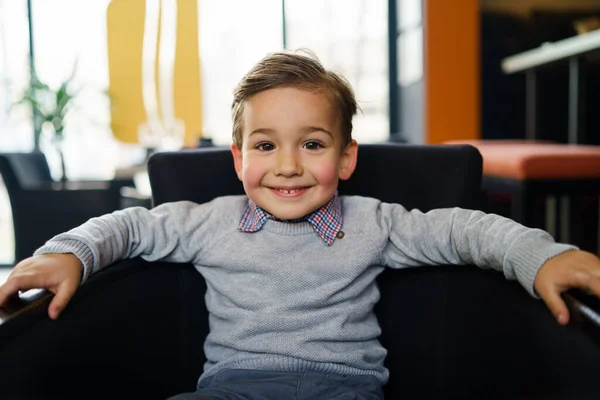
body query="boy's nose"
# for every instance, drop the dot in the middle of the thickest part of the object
(288, 164)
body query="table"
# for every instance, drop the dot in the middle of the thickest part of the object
(573, 50)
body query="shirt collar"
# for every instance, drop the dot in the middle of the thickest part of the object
(326, 221)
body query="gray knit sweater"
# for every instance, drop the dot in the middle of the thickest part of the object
(280, 298)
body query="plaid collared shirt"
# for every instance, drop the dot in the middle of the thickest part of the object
(326, 221)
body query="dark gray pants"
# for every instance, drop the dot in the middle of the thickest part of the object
(240, 384)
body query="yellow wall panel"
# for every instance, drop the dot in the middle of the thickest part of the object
(125, 30)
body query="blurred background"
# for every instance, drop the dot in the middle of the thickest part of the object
(99, 84)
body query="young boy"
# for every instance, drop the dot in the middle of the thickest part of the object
(290, 267)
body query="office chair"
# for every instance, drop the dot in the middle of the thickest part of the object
(42, 208)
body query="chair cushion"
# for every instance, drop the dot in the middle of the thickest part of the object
(537, 160)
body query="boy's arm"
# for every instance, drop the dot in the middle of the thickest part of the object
(459, 236)
(159, 233)
(69, 258)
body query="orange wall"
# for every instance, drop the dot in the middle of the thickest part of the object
(452, 81)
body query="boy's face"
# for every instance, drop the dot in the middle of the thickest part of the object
(291, 157)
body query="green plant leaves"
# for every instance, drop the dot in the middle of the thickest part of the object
(50, 105)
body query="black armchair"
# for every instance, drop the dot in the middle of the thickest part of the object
(42, 208)
(136, 329)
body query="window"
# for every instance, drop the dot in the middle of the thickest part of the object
(349, 37)
(15, 123)
(234, 34)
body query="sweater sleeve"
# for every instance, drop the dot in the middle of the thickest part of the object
(460, 236)
(161, 233)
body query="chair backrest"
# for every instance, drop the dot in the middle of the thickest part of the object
(22, 170)
(416, 176)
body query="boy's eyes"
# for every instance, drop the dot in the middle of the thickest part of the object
(264, 146)
(310, 145)
(313, 145)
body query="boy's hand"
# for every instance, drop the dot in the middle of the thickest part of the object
(571, 269)
(59, 273)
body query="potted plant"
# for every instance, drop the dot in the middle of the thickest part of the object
(51, 110)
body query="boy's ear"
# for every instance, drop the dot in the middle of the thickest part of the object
(237, 160)
(348, 160)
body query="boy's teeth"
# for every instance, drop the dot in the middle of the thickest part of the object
(288, 191)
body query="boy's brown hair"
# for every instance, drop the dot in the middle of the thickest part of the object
(291, 69)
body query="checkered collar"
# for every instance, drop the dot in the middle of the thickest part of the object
(326, 221)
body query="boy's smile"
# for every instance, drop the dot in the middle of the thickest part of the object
(291, 157)
(290, 192)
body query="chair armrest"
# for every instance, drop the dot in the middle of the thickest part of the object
(23, 311)
(585, 310)
(31, 306)
(464, 332)
(138, 326)
(23, 303)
